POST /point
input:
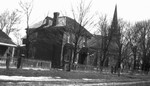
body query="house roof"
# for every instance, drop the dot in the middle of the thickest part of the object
(71, 22)
(6, 40)
(36, 25)
(95, 42)
(63, 21)
(40, 23)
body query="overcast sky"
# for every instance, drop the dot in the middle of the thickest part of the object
(129, 10)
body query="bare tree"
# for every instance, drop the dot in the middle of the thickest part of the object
(143, 37)
(27, 8)
(81, 20)
(8, 20)
(3, 19)
(103, 29)
(133, 43)
(122, 43)
(18, 37)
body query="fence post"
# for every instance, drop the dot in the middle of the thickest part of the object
(49, 65)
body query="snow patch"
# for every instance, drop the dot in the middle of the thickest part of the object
(23, 78)
(28, 68)
(58, 77)
(86, 79)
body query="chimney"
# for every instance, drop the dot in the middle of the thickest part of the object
(47, 20)
(55, 18)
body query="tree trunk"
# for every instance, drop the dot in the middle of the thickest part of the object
(145, 63)
(134, 65)
(100, 63)
(134, 50)
(119, 60)
(74, 55)
(106, 62)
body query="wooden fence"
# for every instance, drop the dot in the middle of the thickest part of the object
(34, 63)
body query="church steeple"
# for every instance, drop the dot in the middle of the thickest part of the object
(115, 30)
(114, 25)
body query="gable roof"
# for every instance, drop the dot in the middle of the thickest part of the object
(63, 21)
(71, 22)
(95, 42)
(42, 22)
(6, 40)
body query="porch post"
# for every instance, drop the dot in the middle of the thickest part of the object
(63, 43)
(12, 55)
(88, 59)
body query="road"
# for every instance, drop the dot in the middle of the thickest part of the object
(74, 82)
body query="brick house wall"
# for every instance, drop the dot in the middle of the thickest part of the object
(47, 40)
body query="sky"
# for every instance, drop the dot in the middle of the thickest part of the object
(130, 10)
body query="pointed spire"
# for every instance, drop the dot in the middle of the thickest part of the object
(115, 31)
(114, 24)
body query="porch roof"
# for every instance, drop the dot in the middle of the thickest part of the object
(6, 44)
(6, 40)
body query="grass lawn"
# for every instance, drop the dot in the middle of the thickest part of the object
(72, 74)
(80, 77)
